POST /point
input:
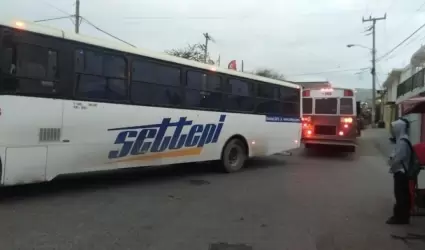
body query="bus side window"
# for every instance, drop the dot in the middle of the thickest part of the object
(289, 94)
(267, 90)
(240, 96)
(202, 91)
(29, 69)
(155, 85)
(32, 61)
(100, 76)
(8, 61)
(290, 101)
(8, 68)
(267, 99)
(290, 109)
(52, 65)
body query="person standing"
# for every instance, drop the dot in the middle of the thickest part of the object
(399, 162)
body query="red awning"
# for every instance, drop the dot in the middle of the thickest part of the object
(414, 105)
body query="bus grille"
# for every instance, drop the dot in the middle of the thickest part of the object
(324, 130)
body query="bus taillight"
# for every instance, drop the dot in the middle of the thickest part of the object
(348, 92)
(306, 119)
(341, 133)
(306, 93)
(347, 120)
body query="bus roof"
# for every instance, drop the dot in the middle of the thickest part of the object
(54, 32)
(319, 88)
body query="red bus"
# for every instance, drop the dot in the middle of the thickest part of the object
(329, 117)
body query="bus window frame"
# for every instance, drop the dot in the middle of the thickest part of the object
(66, 83)
(353, 104)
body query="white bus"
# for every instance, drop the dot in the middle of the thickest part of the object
(72, 104)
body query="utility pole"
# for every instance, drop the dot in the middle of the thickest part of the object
(207, 38)
(373, 71)
(77, 16)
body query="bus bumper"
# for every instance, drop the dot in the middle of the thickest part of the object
(329, 142)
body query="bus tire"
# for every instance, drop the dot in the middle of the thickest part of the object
(234, 156)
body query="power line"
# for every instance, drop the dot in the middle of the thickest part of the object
(420, 7)
(107, 33)
(330, 71)
(56, 8)
(187, 18)
(401, 43)
(78, 19)
(51, 19)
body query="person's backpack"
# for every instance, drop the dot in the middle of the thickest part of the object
(415, 167)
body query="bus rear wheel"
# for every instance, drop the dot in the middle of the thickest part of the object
(234, 156)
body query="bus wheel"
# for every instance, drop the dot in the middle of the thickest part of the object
(234, 156)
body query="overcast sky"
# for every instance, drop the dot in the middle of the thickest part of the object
(294, 37)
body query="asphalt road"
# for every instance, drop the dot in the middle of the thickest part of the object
(316, 200)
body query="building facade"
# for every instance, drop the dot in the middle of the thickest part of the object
(388, 104)
(402, 85)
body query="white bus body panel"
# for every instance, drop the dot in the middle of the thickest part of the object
(25, 165)
(24, 153)
(85, 142)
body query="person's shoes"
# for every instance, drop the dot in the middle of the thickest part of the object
(395, 221)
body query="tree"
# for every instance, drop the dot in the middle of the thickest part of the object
(193, 52)
(269, 73)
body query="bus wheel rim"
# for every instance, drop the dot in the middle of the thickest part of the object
(234, 156)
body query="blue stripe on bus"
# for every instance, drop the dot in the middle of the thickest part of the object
(274, 118)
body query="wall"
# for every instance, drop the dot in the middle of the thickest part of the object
(390, 114)
(406, 73)
(415, 132)
(414, 86)
(387, 116)
(392, 90)
(415, 127)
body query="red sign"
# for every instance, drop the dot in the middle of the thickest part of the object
(232, 65)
